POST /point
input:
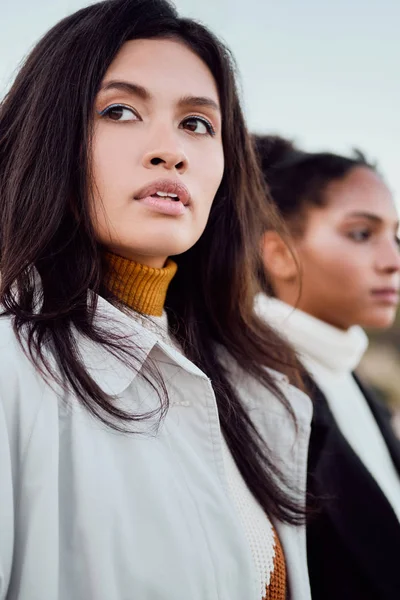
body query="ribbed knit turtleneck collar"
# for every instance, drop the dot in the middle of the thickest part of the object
(140, 287)
(337, 350)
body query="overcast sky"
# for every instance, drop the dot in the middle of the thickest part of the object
(323, 72)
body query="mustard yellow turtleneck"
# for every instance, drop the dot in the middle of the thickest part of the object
(138, 286)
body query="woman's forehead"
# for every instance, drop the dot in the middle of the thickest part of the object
(363, 191)
(163, 66)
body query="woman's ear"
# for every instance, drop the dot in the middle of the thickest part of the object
(279, 260)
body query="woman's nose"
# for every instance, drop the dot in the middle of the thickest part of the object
(388, 259)
(168, 155)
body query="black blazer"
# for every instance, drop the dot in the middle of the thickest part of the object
(353, 536)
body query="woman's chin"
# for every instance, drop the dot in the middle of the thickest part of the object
(380, 319)
(156, 251)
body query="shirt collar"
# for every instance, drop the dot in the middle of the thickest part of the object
(111, 374)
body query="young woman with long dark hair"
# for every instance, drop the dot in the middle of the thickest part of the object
(151, 443)
(341, 273)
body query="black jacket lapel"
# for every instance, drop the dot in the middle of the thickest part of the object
(356, 534)
(383, 417)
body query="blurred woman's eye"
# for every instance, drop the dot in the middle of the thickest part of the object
(360, 235)
(119, 112)
(198, 125)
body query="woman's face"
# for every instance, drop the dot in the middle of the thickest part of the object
(349, 254)
(157, 157)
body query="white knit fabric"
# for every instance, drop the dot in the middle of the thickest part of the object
(256, 525)
(330, 355)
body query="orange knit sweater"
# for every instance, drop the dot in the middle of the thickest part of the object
(276, 590)
(138, 286)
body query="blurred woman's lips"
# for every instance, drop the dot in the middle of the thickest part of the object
(388, 295)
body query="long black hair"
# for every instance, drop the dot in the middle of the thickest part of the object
(51, 260)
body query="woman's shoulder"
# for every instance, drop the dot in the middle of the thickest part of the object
(10, 348)
(12, 355)
(21, 385)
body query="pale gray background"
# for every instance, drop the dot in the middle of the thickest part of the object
(324, 72)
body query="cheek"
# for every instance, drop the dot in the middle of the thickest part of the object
(112, 161)
(109, 183)
(333, 263)
(210, 175)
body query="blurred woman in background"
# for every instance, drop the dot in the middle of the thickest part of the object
(137, 458)
(335, 272)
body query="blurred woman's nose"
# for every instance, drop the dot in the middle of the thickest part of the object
(388, 257)
(166, 152)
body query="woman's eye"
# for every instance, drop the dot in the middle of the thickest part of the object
(198, 125)
(360, 235)
(119, 112)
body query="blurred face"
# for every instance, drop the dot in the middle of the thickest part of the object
(349, 254)
(157, 157)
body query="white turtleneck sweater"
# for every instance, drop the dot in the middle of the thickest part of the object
(330, 355)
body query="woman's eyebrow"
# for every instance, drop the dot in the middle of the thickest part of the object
(365, 215)
(199, 101)
(145, 94)
(371, 217)
(127, 86)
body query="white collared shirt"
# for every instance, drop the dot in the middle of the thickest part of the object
(86, 512)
